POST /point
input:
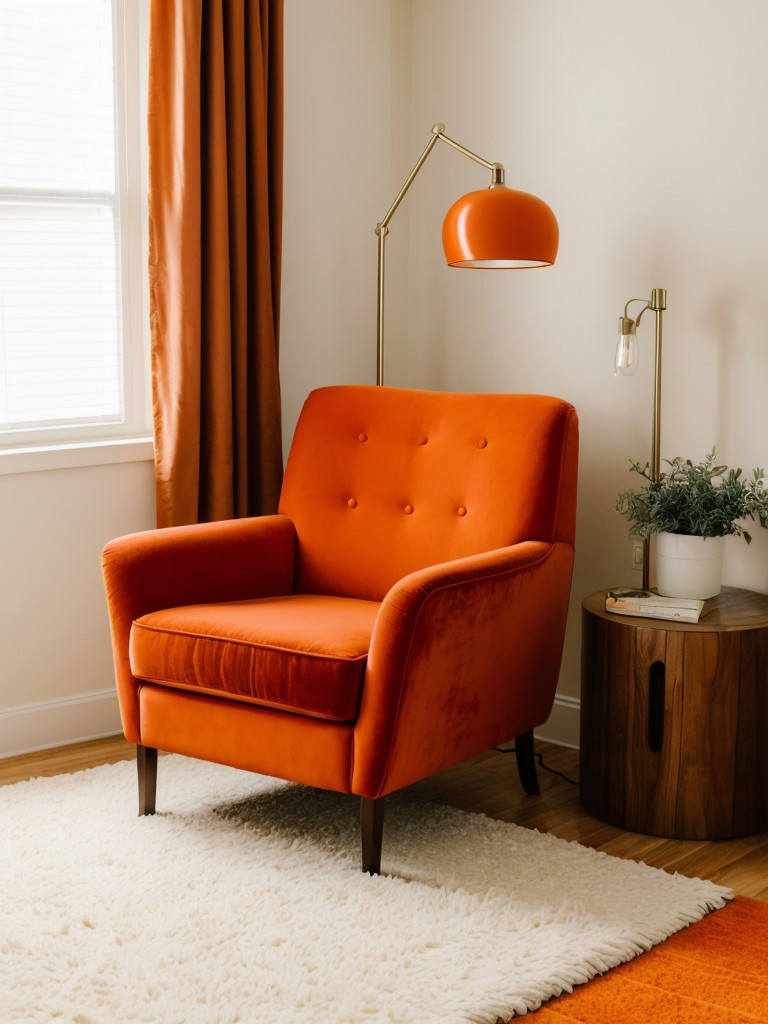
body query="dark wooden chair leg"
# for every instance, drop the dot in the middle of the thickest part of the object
(372, 831)
(146, 764)
(526, 763)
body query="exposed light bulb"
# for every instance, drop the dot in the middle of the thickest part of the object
(625, 362)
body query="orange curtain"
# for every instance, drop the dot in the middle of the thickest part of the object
(215, 119)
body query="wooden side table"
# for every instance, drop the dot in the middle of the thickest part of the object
(674, 719)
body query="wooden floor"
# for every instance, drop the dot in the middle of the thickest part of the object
(489, 784)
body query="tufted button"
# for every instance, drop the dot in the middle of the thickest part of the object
(352, 502)
(362, 437)
(461, 511)
(408, 510)
(422, 440)
(482, 443)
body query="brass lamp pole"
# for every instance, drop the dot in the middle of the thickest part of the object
(495, 228)
(626, 363)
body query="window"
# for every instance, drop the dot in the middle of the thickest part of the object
(71, 335)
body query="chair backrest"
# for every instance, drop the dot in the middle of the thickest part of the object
(383, 481)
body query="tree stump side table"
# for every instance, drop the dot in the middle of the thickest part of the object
(674, 719)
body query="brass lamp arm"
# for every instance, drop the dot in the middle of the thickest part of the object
(497, 179)
(438, 132)
(639, 315)
(473, 156)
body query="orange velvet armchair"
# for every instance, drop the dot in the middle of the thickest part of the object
(403, 611)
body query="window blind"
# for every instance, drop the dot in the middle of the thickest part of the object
(61, 346)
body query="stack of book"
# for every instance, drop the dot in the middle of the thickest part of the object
(644, 603)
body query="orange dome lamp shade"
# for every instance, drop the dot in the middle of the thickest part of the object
(496, 228)
(499, 228)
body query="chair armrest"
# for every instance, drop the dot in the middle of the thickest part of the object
(464, 655)
(206, 562)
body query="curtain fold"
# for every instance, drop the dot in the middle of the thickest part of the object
(215, 121)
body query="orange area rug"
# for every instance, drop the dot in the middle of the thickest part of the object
(715, 971)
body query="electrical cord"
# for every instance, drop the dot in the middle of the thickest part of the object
(540, 759)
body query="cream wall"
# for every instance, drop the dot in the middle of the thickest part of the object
(338, 147)
(56, 675)
(641, 123)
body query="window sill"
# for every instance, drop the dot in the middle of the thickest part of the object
(73, 456)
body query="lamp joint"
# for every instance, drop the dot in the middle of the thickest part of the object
(497, 176)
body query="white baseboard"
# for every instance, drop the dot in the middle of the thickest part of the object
(55, 723)
(562, 726)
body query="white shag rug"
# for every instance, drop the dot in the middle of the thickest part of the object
(242, 900)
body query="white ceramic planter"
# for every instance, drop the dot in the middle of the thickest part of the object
(689, 566)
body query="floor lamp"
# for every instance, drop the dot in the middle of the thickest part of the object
(496, 228)
(626, 364)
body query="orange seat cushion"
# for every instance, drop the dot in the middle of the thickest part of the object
(304, 653)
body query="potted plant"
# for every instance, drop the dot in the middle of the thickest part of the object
(692, 507)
